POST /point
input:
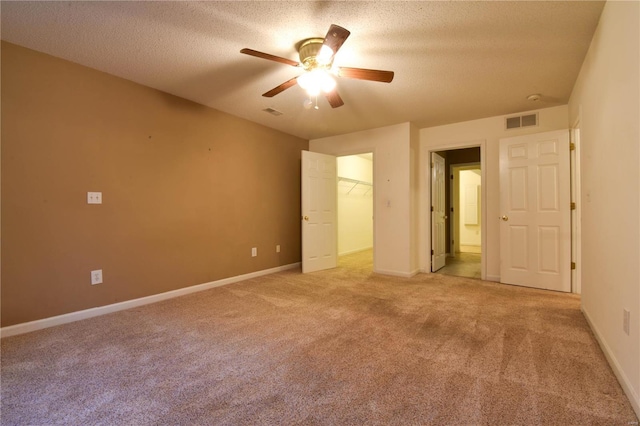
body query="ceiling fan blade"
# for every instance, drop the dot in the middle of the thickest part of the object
(269, 57)
(335, 37)
(284, 86)
(334, 99)
(364, 74)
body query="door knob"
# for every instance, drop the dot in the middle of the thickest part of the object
(306, 218)
(505, 218)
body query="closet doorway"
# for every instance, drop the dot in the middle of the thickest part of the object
(355, 210)
(464, 219)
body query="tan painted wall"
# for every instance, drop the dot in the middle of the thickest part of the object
(187, 190)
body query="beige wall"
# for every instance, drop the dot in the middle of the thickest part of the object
(393, 233)
(187, 190)
(606, 101)
(487, 131)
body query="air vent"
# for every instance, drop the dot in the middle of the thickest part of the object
(272, 111)
(521, 121)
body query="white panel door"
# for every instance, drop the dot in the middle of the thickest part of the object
(438, 213)
(319, 212)
(535, 231)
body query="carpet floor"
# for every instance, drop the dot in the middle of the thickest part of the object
(337, 347)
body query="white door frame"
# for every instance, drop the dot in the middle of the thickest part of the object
(365, 150)
(483, 197)
(576, 215)
(454, 196)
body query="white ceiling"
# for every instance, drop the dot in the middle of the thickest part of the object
(453, 61)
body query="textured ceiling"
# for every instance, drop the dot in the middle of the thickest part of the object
(453, 61)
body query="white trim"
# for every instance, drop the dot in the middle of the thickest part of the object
(396, 273)
(576, 228)
(482, 144)
(624, 381)
(27, 327)
(355, 251)
(495, 278)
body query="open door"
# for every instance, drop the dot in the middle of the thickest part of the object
(319, 212)
(438, 214)
(535, 230)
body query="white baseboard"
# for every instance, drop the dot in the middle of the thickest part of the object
(495, 278)
(615, 366)
(396, 273)
(354, 251)
(27, 327)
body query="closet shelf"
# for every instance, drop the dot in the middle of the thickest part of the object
(355, 183)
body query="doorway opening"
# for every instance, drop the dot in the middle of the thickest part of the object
(355, 210)
(463, 218)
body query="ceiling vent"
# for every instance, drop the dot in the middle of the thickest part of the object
(272, 111)
(521, 121)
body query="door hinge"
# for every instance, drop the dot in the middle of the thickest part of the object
(573, 265)
(572, 146)
(452, 177)
(573, 205)
(431, 208)
(432, 165)
(431, 252)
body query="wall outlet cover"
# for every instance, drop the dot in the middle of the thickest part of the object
(94, 197)
(96, 277)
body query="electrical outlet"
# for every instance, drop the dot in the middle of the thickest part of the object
(254, 252)
(96, 277)
(278, 248)
(94, 197)
(625, 320)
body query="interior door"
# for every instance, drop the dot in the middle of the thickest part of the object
(535, 230)
(438, 213)
(319, 212)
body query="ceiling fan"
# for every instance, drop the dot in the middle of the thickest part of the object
(316, 58)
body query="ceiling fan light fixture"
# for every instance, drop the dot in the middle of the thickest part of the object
(316, 81)
(325, 55)
(316, 58)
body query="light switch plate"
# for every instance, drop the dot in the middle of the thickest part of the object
(626, 314)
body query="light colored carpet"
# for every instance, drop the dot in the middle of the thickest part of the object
(337, 347)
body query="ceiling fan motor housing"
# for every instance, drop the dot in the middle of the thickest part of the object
(308, 51)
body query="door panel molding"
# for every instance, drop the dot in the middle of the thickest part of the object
(319, 212)
(535, 226)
